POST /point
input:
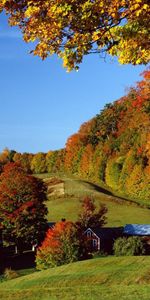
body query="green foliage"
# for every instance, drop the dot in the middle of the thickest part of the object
(127, 168)
(128, 246)
(38, 163)
(136, 183)
(99, 164)
(113, 171)
(55, 160)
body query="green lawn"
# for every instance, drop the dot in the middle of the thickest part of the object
(105, 278)
(109, 278)
(120, 211)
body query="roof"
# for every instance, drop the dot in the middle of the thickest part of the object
(51, 224)
(107, 232)
(137, 229)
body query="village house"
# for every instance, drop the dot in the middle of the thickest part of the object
(102, 239)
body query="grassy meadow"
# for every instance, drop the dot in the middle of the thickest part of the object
(120, 211)
(108, 278)
(101, 278)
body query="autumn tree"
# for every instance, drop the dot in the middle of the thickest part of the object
(86, 161)
(24, 159)
(61, 246)
(55, 160)
(74, 149)
(22, 208)
(90, 215)
(75, 28)
(114, 146)
(38, 163)
(4, 157)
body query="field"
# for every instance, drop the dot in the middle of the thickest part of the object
(104, 278)
(120, 211)
(107, 278)
(101, 278)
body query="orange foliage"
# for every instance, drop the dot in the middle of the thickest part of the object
(86, 160)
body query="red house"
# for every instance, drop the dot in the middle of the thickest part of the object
(102, 239)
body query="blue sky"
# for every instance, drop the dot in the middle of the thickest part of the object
(41, 104)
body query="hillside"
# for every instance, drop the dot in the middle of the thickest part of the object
(121, 211)
(114, 147)
(113, 278)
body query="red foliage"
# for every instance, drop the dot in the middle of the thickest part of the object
(22, 208)
(53, 235)
(90, 216)
(140, 151)
(60, 246)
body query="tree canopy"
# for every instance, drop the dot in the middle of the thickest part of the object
(74, 28)
(90, 216)
(61, 246)
(22, 208)
(114, 146)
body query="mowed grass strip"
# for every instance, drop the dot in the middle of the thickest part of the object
(82, 293)
(107, 278)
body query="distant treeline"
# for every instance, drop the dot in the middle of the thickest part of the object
(113, 147)
(38, 163)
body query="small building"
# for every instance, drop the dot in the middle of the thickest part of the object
(51, 225)
(141, 230)
(102, 239)
(137, 230)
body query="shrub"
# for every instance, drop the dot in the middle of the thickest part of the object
(61, 246)
(10, 274)
(128, 246)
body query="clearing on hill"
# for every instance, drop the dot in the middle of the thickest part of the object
(66, 192)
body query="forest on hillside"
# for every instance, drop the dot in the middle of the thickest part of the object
(113, 147)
